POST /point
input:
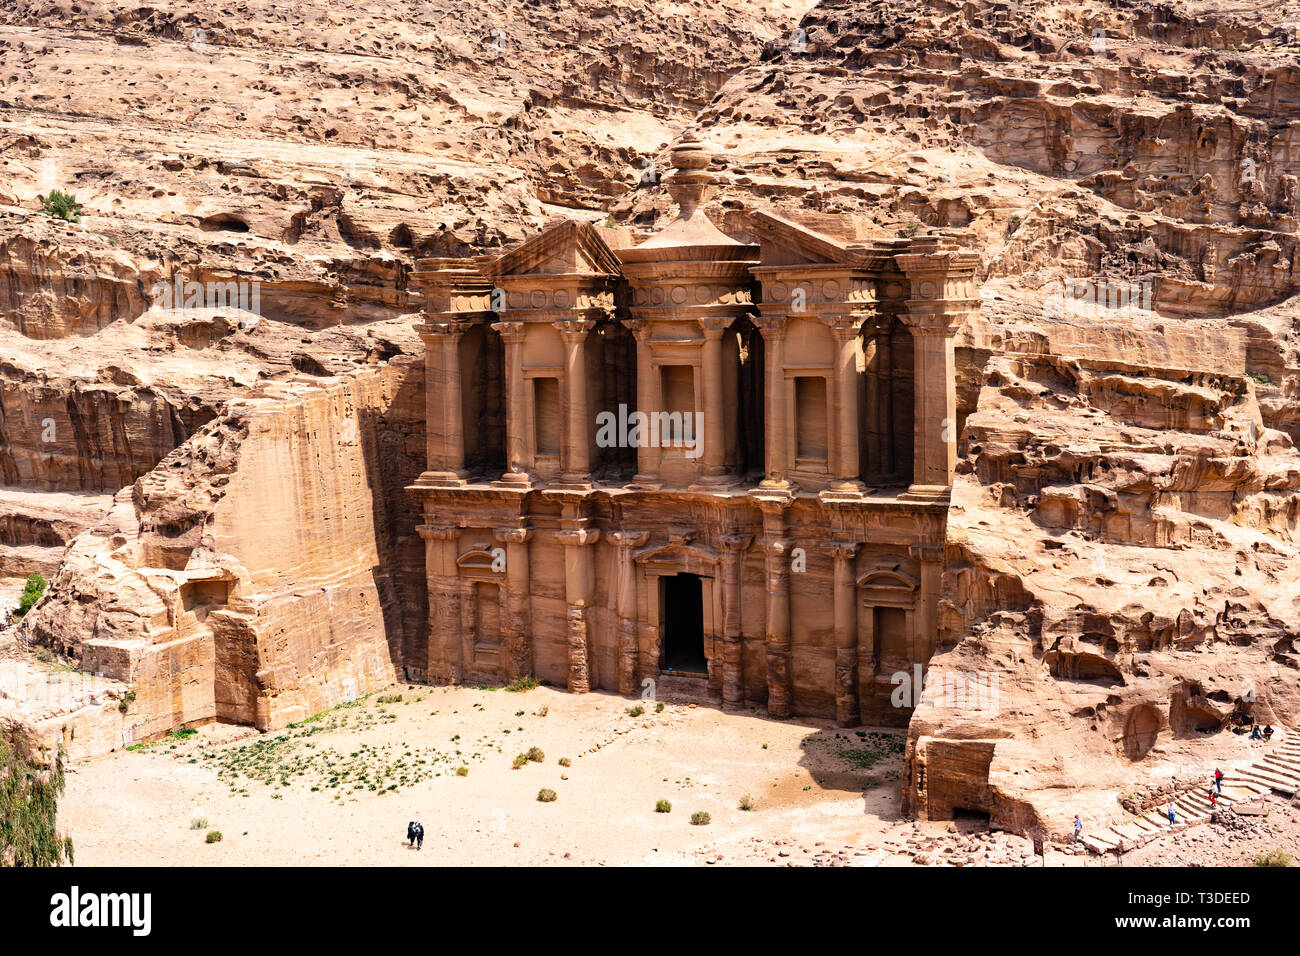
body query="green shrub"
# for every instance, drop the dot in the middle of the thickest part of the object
(636, 711)
(699, 819)
(462, 771)
(61, 205)
(29, 792)
(536, 755)
(546, 795)
(390, 699)
(565, 762)
(663, 806)
(659, 708)
(214, 836)
(31, 594)
(127, 699)
(746, 803)
(1272, 858)
(520, 760)
(523, 683)
(199, 823)
(543, 711)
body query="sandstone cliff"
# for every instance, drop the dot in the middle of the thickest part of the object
(1121, 536)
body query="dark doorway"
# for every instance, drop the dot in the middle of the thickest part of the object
(683, 625)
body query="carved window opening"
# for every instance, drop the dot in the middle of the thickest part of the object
(811, 432)
(548, 426)
(487, 617)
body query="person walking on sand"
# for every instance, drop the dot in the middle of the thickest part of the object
(419, 835)
(410, 834)
(1172, 817)
(1078, 827)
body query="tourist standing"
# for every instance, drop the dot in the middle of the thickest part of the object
(410, 834)
(419, 835)
(1078, 827)
(1218, 780)
(1172, 816)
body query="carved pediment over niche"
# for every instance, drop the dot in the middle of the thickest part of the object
(567, 247)
(482, 560)
(678, 556)
(887, 585)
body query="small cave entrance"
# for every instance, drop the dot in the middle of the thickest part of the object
(683, 617)
(223, 222)
(1140, 731)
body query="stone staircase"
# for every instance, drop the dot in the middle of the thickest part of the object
(1278, 769)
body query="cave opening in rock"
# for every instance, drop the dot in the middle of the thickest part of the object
(683, 603)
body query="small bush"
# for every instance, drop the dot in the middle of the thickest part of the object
(390, 699)
(746, 803)
(535, 754)
(700, 819)
(523, 683)
(214, 836)
(462, 771)
(565, 762)
(663, 806)
(1272, 858)
(32, 592)
(520, 760)
(127, 699)
(636, 711)
(61, 205)
(199, 823)
(546, 795)
(659, 708)
(543, 711)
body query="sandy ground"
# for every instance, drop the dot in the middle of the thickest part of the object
(339, 790)
(814, 798)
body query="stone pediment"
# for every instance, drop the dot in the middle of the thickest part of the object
(784, 243)
(677, 556)
(888, 583)
(568, 247)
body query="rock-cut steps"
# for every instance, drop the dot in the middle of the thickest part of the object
(1278, 769)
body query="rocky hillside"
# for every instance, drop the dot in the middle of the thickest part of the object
(1122, 535)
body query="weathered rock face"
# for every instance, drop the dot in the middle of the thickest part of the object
(1121, 535)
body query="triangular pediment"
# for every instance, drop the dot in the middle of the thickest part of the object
(567, 247)
(784, 243)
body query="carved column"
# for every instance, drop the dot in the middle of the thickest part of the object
(579, 579)
(733, 547)
(647, 453)
(926, 635)
(516, 627)
(847, 458)
(942, 294)
(576, 460)
(512, 334)
(846, 634)
(628, 654)
(776, 548)
(444, 661)
(445, 440)
(715, 451)
(778, 458)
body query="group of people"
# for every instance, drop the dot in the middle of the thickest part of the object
(1266, 734)
(415, 834)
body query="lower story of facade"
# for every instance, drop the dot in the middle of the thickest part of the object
(792, 602)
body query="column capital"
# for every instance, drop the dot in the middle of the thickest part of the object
(512, 535)
(844, 550)
(734, 542)
(578, 538)
(926, 552)
(510, 331)
(844, 328)
(714, 325)
(574, 327)
(772, 326)
(444, 328)
(629, 539)
(777, 547)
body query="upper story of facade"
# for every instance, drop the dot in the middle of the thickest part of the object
(791, 363)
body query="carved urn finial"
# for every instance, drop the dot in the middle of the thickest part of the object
(690, 183)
